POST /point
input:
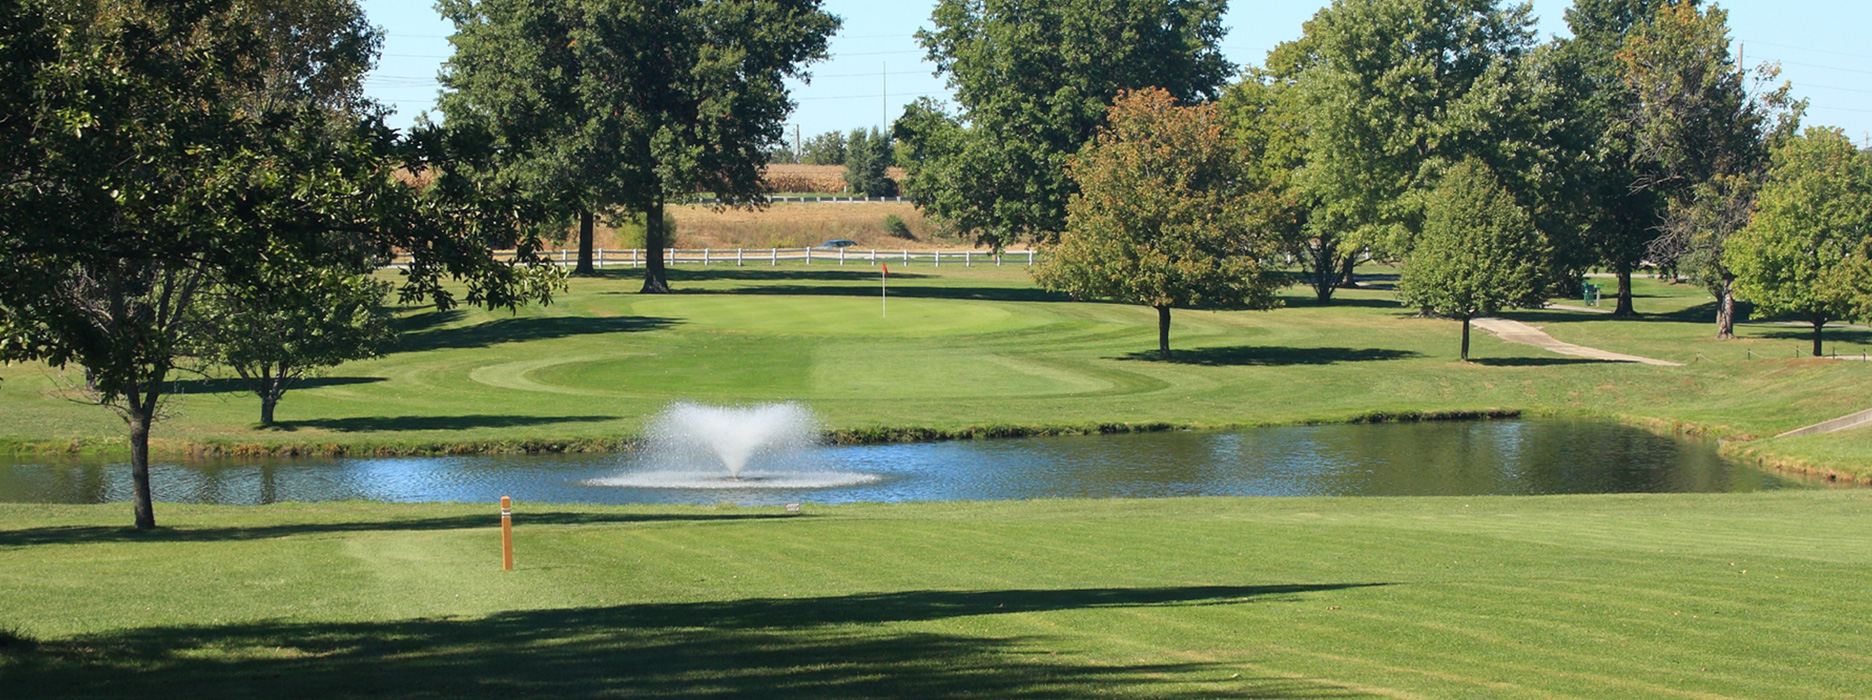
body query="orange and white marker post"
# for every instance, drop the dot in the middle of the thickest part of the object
(506, 534)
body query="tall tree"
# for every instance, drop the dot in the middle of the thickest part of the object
(1618, 217)
(1167, 215)
(1033, 81)
(1398, 91)
(1479, 253)
(1813, 219)
(614, 106)
(1264, 114)
(176, 146)
(1699, 141)
(866, 162)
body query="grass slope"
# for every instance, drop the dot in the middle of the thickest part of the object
(977, 350)
(1724, 596)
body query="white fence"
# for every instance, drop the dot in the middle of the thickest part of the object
(635, 257)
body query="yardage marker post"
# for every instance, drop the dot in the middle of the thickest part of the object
(506, 534)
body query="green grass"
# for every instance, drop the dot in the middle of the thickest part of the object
(974, 350)
(1718, 596)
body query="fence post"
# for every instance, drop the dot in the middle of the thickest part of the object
(775, 252)
(737, 257)
(874, 257)
(938, 261)
(906, 257)
(669, 255)
(600, 261)
(841, 256)
(968, 258)
(1030, 257)
(997, 259)
(562, 257)
(808, 252)
(705, 257)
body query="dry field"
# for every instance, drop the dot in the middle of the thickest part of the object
(789, 225)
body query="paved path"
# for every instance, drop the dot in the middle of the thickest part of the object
(1587, 309)
(1518, 332)
(1862, 418)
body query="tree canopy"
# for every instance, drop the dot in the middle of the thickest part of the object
(607, 107)
(166, 148)
(1033, 82)
(1167, 215)
(1813, 220)
(1397, 91)
(1479, 252)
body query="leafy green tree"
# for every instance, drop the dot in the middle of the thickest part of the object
(1264, 114)
(185, 145)
(1812, 220)
(1617, 217)
(1166, 216)
(865, 163)
(275, 334)
(828, 148)
(614, 106)
(1398, 91)
(1698, 140)
(1033, 81)
(1479, 252)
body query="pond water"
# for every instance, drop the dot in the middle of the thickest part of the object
(1406, 459)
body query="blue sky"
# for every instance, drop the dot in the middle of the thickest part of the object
(1824, 46)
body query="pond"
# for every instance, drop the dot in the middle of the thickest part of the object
(1522, 457)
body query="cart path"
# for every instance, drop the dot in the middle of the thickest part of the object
(1862, 418)
(1518, 332)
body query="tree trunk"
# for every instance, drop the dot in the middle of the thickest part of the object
(268, 389)
(1818, 324)
(656, 281)
(1624, 291)
(1321, 262)
(1163, 333)
(1347, 278)
(585, 245)
(139, 421)
(1465, 339)
(1725, 309)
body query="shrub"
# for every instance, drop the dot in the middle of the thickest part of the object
(895, 226)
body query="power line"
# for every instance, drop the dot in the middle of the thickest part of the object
(1810, 49)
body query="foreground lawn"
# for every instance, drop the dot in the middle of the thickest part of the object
(1728, 596)
(971, 348)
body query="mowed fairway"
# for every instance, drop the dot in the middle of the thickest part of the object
(960, 348)
(1727, 596)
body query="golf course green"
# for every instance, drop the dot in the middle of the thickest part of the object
(978, 350)
(1760, 595)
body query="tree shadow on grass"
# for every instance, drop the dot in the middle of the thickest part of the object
(235, 385)
(81, 535)
(369, 424)
(826, 647)
(519, 330)
(1267, 355)
(910, 292)
(751, 272)
(1829, 334)
(1534, 361)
